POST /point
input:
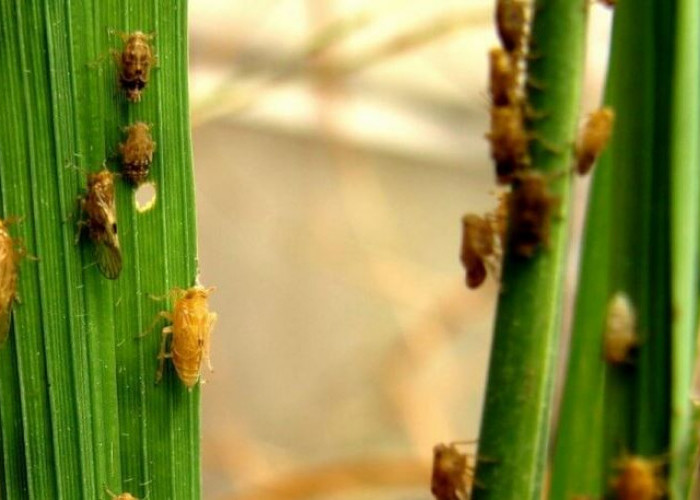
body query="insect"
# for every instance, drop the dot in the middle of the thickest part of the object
(593, 139)
(530, 207)
(511, 22)
(477, 246)
(100, 219)
(192, 324)
(481, 245)
(638, 479)
(135, 62)
(137, 152)
(620, 329)
(11, 252)
(451, 470)
(509, 142)
(503, 78)
(122, 496)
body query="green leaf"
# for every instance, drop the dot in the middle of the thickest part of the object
(79, 409)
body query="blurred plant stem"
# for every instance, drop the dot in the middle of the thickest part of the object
(515, 423)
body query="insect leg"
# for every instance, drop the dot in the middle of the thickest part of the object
(548, 145)
(162, 355)
(162, 314)
(79, 231)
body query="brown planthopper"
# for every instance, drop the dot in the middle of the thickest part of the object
(503, 79)
(100, 219)
(511, 23)
(135, 63)
(620, 337)
(451, 473)
(509, 142)
(137, 153)
(638, 478)
(593, 138)
(11, 252)
(190, 332)
(530, 210)
(480, 249)
(477, 246)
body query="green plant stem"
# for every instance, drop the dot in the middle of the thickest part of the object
(516, 418)
(685, 238)
(641, 239)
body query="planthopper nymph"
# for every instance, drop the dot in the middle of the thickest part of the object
(190, 332)
(135, 62)
(100, 220)
(137, 153)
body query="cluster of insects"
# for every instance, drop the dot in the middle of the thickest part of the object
(192, 322)
(97, 205)
(523, 216)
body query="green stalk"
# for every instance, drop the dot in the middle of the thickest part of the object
(685, 210)
(79, 409)
(516, 418)
(641, 239)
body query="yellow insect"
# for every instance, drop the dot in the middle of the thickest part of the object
(639, 478)
(451, 473)
(122, 496)
(135, 62)
(11, 252)
(137, 153)
(620, 330)
(192, 324)
(100, 218)
(593, 139)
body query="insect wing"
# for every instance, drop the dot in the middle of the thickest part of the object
(109, 259)
(198, 323)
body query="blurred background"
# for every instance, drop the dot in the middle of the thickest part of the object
(337, 145)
